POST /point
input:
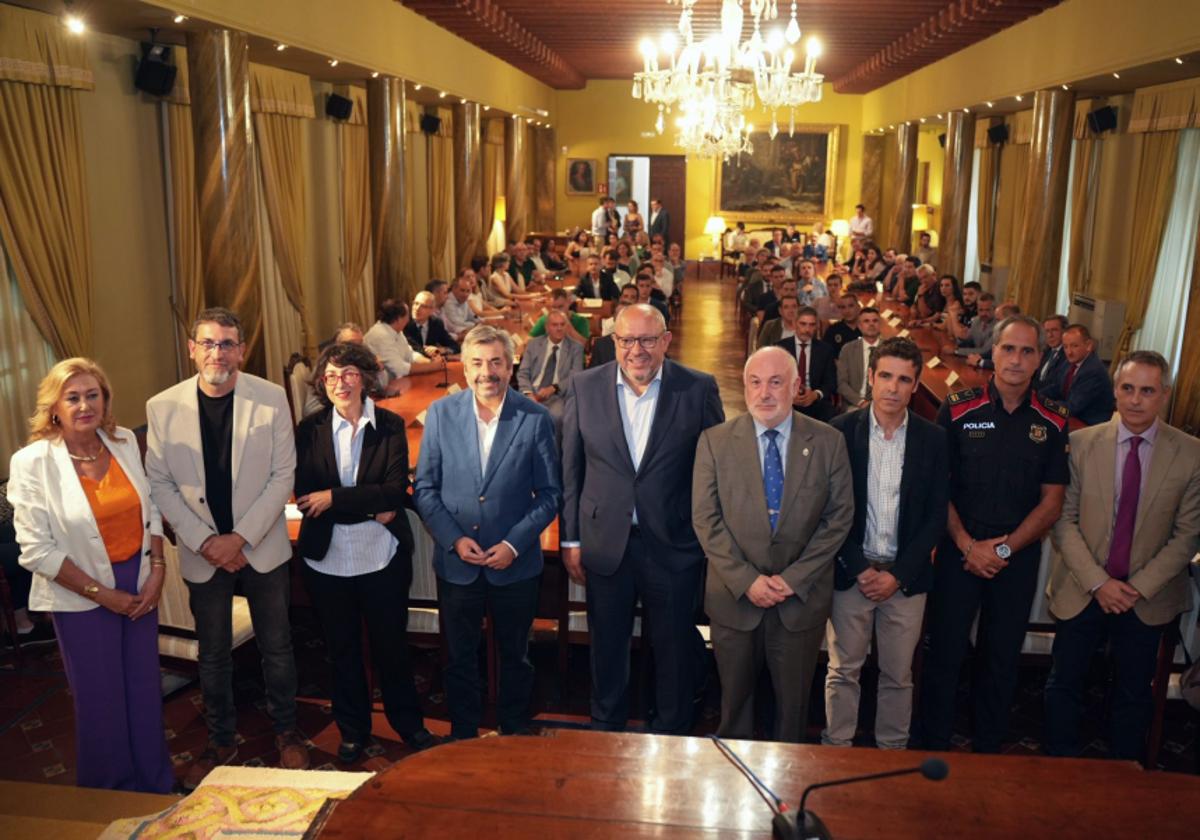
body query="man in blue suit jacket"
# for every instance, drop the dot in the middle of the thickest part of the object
(629, 442)
(487, 485)
(1082, 383)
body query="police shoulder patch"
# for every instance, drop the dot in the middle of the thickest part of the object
(1055, 406)
(965, 395)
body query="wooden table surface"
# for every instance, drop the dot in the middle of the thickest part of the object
(592, 784)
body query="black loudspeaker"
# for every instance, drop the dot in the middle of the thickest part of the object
(338, 107)
(1102, 119)
(998, 134)
(155, 73)
(430, 124)
(942, 140)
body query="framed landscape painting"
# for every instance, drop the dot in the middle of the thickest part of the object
(788, 179)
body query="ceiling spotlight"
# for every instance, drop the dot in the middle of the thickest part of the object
(375, 75)
(1066, 87)
(939, 116)
(75, 24)
(1116, 75)
(487, 107)
(180, 18)
(891, 127)
(280, 47)
(442, 95)
(1179, 61)
(462, 100)
(333, 62)
(989, 104)
(417, 87)
(1018, 97)
(922, 120)
(966, 110)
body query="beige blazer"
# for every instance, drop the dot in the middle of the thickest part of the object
(851, 373)
(1166, 532)
(54, 519)
(264, 463)
(729, 514)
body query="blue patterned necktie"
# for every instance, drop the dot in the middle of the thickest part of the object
(773, 477)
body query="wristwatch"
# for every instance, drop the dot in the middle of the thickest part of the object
(1003, 551)
(91, 591)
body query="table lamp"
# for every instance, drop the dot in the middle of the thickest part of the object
(715, 227)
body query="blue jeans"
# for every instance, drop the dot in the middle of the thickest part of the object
(269, 595)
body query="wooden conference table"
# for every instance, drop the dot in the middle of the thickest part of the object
(594, 784)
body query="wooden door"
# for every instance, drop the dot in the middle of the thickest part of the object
(668, 183)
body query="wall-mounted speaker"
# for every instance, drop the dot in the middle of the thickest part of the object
(1102, 119)
(338, 107)
(942, 140)
(155, 73)
(430, 124)
(998, 134)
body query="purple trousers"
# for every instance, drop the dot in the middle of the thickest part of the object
(112, 669)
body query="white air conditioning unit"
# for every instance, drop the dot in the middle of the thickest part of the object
(1104, 319)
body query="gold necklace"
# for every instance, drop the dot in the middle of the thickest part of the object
(87, 459)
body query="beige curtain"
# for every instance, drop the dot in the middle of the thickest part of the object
(43, 191)
(1082, 198)
(1010, 203)
(354, 166)
(27, 356)
(441, 197)
(493, 175)
(1155, 188)
(985, 222)
(282, 328)
(1185, 412)
(414, 272)
(1166, 107)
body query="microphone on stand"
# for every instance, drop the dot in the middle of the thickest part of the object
(808, 826)
(445, 383)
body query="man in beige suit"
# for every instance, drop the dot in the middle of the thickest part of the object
(221, 458)
(855, 359)
(770, 537)
(1130, 525)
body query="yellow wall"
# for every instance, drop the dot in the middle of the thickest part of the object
(603, 119)
(134, 330)
(1075, 40)
(380, 35)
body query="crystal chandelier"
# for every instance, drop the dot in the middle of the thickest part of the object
(714, 82)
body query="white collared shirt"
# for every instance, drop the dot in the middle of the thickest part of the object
(785, 434)
(637, 416)
(391, 347)
(486, 429)
(885, 468)
(364, 547)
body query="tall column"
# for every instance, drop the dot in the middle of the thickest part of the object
(468, 183)
(956, 192)
(386, 139)
(516, 193)
(900, 232)
(1034, 280)
(219, 82)
(545, 157)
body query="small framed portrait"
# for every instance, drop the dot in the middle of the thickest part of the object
(581, 176)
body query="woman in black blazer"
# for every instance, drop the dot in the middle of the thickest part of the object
(351, 485)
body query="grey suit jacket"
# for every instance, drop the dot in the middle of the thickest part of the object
(851, 373)
(729, 513)
(570, 361)
(1166, 532)
(264, 463)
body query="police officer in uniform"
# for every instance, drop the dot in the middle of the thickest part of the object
(1008, 477)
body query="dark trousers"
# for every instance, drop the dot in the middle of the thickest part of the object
(1134, 647)
(512, 609)
(112, 669)
(668, 623)
(1003, 604)
(269, 596)
(380, 600)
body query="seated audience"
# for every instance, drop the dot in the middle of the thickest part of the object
(1054, 359)
(787, 289)
(647, 293)
(548, 362)
(846, 328)
(925, 251)
(817, 367)
(970, 297)
(522, 266)
(609, 260)
(440, 290)
(597, 283)
(457, 314)
(579, 327)
(809, 287)
(425, 332)
(853, 363)
(386, 340)
(1083, 383)
(577, 251)
(784, 326)
(664, 275)
(604, 348)
(502, 287)
(979, 334)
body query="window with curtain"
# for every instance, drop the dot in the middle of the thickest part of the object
(25, 357)
(1162, 329)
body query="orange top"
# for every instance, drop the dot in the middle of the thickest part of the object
(118, 511)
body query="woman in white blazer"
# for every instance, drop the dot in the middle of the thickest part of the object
(92, 537)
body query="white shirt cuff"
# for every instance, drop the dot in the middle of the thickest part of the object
(569, 544)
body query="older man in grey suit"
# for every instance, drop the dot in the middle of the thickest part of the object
(548, 362)
(770, 538)
(1130, 524)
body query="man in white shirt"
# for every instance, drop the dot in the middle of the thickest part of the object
(600, 220)
(810, 287)
(861, 226)
(854, 361)
(386, 340)
(456, 311)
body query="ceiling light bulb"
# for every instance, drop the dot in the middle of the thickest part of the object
(775, 41)
(442, 94)
(647, 47)
(417, 87)
(989, 104)
(1066, 87)
(333, 62)
(375, 75)
(891, 128)
(75, 25)
(668, 42)
(939, 116)
(922, 119)
(1018, 97)
(180, 18)
(814, 48)
(280, 47)
(1116, 75)
(487, 107)
(1179, 61)
(966, 110)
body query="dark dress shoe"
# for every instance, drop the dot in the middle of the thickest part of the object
(350, 751)
(421, 740)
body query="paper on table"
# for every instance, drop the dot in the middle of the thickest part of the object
(895, 322)
(420, 418)
(593, 303)
(952, 378)
(453, 388)
(871, 302)
(902, 334)
(932, 363)
(887, 314)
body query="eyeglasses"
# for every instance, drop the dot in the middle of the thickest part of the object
(348, 376)
(648, 342)
(226, 346)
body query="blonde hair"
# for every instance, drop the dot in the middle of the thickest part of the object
(44, 424)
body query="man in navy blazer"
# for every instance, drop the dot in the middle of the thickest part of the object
(629, 442)
(487, 485)
(1082, 383)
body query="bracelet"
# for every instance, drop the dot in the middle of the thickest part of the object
(970, 545)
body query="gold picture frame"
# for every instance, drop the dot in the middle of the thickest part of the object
(582, 176)
(789, 179)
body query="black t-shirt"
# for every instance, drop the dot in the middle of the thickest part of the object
(840, 334)
(216, 440)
